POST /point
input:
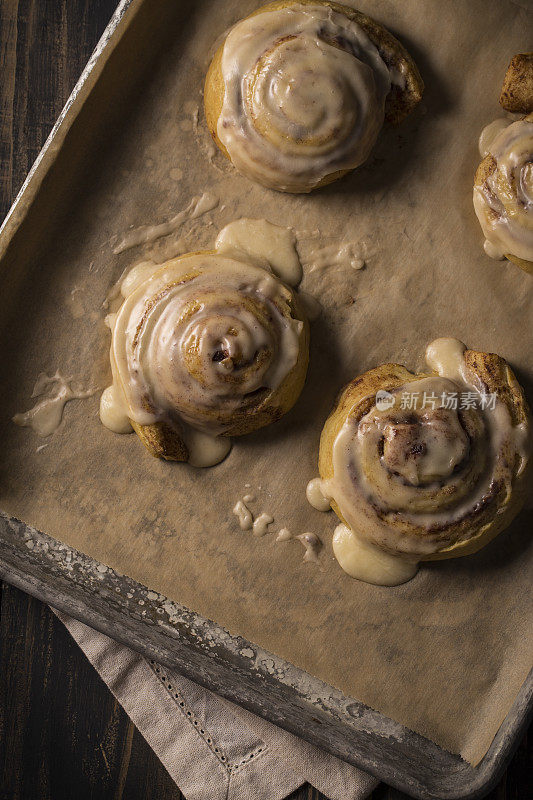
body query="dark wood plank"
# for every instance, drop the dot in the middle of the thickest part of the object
(62, 734)
(54, 39)
(8, 61)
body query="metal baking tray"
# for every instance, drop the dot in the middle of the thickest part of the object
(109, 602)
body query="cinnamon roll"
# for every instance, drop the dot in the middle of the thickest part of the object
(503, 194)
(424, 466)
(204, 348)
(298, 92)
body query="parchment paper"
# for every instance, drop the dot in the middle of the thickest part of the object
(444, 654)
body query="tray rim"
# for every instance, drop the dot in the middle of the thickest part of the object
(29, 557)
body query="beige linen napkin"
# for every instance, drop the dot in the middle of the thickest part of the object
(211, 748)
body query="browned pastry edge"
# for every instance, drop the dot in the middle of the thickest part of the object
(400, 101)
(517, 89)
(498, 377)
(162, 441)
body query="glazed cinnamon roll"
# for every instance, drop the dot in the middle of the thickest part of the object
(204, 348)
(298, 92)
(503, 194)
(424, 466)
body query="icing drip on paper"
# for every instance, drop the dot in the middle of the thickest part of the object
(46, 415)
(262, 243)
(312, 545)
(310, 541)
(244, 515)
(205, 450)
(347, 255)
(261, 524)
(112, 412)
(332, 266)
(146, 234)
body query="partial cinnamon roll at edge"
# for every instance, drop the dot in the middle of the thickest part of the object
(503, 184)
(503, 194)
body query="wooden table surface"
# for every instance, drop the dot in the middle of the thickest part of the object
(62, 734)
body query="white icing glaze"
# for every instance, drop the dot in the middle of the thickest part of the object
(345, 255)
(46, 415)
(259, 242)
(489, 133)
(244, 515)
(304, 96)
(493, 251)
(146, 234)
(138, 274)
(424, 469)
(112, 413)
(110, 320)
(262, 243)
(312, 544)
(195, 337)
(315, 496)
(366, 562)
(164, 350)
(310, 541)
(445, 357)
(261, 524)
(504, 203)
(205, 450)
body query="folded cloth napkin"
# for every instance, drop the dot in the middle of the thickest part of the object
(211, 748)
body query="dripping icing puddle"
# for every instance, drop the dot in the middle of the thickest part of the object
(55, 391)
(146, 234)
(259, 524)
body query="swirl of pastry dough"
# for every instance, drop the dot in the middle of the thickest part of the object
(503, 194)
(431, 465)
(304, 91)
(210, 343)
